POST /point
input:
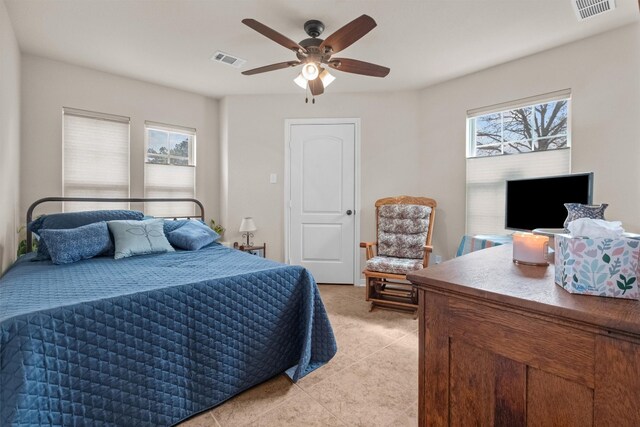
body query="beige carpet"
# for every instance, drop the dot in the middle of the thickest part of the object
(372, 381)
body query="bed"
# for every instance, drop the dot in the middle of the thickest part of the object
(151, 340)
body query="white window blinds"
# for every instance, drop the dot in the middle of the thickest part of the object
(169, 170)
(486, 178)
(95, 158)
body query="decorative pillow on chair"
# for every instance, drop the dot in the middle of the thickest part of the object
(578, 210)
(139, 237)
(69, 220)
(70, 245)
(192, 236)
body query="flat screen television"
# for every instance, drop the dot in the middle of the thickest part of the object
(539, 202)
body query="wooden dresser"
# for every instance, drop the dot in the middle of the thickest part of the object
(503, 345)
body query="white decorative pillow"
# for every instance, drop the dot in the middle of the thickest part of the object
(139, 237)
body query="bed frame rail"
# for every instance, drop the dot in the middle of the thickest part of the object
(107, 200)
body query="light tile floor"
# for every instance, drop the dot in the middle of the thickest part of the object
(372, 380)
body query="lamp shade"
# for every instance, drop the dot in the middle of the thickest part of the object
(247, 225)
(300, 81)
(326, 78)
(310, 70)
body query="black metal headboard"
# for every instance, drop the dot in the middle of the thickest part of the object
(108, 200)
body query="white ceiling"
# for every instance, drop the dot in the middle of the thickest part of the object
(170, 42)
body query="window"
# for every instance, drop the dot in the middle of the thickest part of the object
(497, 139)
(95, 158)
(539, 127)
(169, 168)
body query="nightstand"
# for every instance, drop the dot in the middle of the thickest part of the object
(259, 250)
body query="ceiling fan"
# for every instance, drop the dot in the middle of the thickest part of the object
(313, 53)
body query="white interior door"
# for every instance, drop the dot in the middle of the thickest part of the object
(322, 200)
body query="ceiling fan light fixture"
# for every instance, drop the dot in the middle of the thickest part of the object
(313, 53)
(310, 70)
(300, 81)
(326, 77)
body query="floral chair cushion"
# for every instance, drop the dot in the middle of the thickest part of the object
(402, 230)
(393, 265)
(403, 226)
(402, 211)
(402, 245)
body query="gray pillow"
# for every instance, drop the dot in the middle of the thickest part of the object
(139, 237)
(578, 210)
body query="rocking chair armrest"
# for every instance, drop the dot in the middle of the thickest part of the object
(428, 249)
(368, 249)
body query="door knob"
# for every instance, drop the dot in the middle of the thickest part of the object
(349, 212)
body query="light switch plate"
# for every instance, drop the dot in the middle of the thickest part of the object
(273, 178)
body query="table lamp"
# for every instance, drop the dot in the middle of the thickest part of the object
(246, 228)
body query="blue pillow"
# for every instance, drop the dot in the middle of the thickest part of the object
(70, 245)
(68, 220)
(174, 224)
(139, 237)
(192, 236)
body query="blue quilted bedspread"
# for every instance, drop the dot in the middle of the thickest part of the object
(153, 339)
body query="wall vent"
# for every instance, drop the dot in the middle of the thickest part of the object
(231, 60)
(588, 8)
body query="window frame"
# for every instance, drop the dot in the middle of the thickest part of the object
(530, 102)
(170, 129)
(485, 175)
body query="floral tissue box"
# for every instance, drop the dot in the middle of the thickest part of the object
(603, 267)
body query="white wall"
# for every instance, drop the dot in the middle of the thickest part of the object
(414, 142)
(254, 143)
(603, 73)
(9, 139)
(48, 85)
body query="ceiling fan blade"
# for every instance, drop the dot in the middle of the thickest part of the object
(349, 34)
(316, 87)
(358, 67)
(273, 35)
(272, 67)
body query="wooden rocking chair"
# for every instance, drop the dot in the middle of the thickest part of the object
(404, 226)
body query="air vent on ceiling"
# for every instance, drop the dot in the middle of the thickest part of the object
(225, 58)
(588, 8)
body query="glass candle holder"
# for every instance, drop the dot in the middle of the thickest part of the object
(530, 249)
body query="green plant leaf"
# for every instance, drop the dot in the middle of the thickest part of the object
(621, 285)
(606, 258)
